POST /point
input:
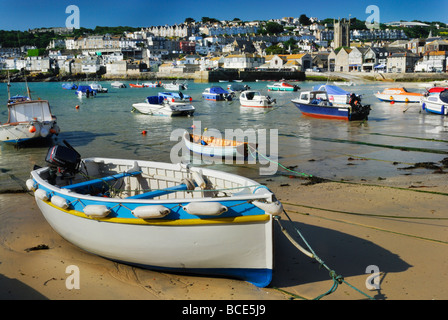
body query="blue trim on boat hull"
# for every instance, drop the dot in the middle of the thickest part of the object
(334, 112)
(258, 277)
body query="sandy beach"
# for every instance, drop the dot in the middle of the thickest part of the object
(398, 225)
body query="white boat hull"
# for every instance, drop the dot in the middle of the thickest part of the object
(164, 109)
(438, 107)
(257, 102)
(202, 249)
(20, 132)
(398, 98)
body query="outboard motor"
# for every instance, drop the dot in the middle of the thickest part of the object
(65, 158)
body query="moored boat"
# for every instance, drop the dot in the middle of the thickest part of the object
(283, 86)
(85, 91)
(316, 104)
(399, 95)
(436, 102)
(69, 86)
(256, 100)
(98, 88)
(152, 84)
(138, 85)
(160, 216)
(215, 146)
(28, 120)
(175, 86)
(216, 94)
(159, 106)
(117, 84)
(175, 96)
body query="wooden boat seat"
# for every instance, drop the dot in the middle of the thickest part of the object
(100, 181)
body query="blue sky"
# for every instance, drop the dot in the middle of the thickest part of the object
(23, 15)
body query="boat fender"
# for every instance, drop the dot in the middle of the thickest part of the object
(96, 210)
(41, 194)
(44, 132)
(31, 185)
(273, 208)
(198, 178)
(150, 212)
(59, 202)
(205, 208)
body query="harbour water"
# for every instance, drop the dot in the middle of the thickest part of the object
(395, 136)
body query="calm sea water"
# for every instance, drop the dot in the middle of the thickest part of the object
(105, 126)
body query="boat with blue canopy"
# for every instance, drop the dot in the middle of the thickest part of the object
(335, 94)
(216, 94)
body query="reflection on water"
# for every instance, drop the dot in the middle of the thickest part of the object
(106, 126)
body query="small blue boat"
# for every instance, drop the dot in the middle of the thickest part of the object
(175, 96)
(216, 94)
(85, 91)
(69, 86)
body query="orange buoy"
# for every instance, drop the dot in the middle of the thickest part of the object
(32, 129)
(144, 132)
(77, 107)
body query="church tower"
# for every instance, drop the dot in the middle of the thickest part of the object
(341, 33)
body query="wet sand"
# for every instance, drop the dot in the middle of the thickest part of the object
(349, 226)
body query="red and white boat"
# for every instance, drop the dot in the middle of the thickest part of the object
(138, 85)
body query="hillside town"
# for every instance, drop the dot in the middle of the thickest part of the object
(287, 44)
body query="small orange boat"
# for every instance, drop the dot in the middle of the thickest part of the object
(137, 85)
(399, 95)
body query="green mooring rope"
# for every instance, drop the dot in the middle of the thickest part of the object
(337, 279)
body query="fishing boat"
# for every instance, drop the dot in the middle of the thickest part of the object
(399, 95)
(28, 120)
(436, 102)
(237, 87)
(85, 91)
(153, 84)
(137, 85)
(215, 146)
(98, 88)
(216, 94)
(69, 86)
(317, 104)
(283, 86)
(335, 94)
(160, 216)
(175, 96)
(159, 106)
(256, 100)
(117, 84)
(175, 86)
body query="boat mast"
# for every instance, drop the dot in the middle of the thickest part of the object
(9, 85)
(26, 83)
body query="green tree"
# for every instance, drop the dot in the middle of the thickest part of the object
(304, 20)
(274, 28)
